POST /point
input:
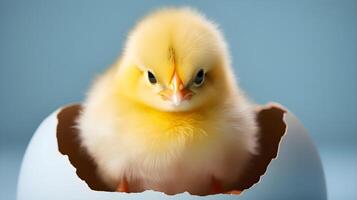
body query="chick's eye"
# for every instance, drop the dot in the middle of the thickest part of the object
(200, 76)
(151, 78)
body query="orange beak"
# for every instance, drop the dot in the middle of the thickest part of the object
(176, 93)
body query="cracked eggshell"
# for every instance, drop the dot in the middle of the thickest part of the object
(54, 168)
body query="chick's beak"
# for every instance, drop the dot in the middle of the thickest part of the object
(176, 93)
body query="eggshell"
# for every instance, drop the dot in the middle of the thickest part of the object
(48, 170)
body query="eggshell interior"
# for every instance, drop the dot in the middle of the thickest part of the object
(55, 167)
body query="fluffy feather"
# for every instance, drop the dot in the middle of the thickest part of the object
(132, 132)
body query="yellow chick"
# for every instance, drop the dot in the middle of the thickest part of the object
(169, 116)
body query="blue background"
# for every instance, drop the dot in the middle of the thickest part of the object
(302, 54)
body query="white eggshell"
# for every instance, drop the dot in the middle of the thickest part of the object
(295, 173)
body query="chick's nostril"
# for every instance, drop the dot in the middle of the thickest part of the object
(165, 94)
(164, 97)
(188, 96)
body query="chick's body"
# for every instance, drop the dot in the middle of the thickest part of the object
(155, 121)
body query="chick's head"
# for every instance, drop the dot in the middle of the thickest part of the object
(176, 60)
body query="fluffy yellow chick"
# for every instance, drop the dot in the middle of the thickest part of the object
(169, 116)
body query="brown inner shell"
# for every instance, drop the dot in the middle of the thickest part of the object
(269, 118)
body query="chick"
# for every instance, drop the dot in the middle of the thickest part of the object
(169, 116)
